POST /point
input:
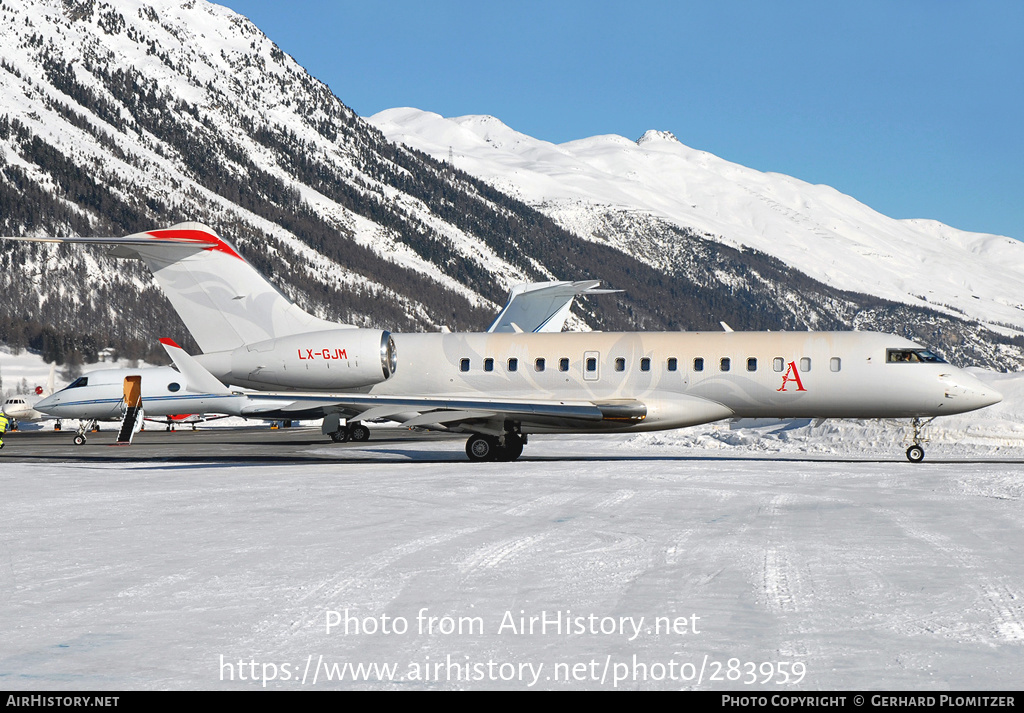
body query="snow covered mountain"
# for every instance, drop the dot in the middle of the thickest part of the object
(823, 233)
(120, 117)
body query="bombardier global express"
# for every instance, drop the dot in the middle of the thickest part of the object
(501, 387)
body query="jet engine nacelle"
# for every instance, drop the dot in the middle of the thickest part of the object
(331, 359)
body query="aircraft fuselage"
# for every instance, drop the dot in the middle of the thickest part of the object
(685, 378)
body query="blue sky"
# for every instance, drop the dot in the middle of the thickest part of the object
(914, 107)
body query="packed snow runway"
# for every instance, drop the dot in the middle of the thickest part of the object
(641, 565)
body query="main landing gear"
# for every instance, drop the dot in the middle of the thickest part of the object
(506, 448)
(915, 454)
(351, 432)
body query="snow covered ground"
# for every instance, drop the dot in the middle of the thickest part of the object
(839, 575)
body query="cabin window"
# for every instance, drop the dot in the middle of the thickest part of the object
(645, 364)
(779, 364)
(836, 364)
(752, 364)
(673, 364)
(174, 387)
(539, 364)
(698, 364)
(563, 364)
(591, 364)
(513, 364)
(620, 364)
(805, 364)
(725, 364)
(488, 364)
(464, 365)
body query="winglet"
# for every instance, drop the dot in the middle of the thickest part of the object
(542, 306)
(199, 379)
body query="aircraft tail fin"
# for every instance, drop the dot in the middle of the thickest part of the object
(196, 375)
(223, 300)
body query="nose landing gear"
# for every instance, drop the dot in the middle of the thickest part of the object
(84, 426)
(915, 454)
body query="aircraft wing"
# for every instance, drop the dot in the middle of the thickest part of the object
(472, 414)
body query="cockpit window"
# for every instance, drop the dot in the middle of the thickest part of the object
(912, 356)
(80, 381)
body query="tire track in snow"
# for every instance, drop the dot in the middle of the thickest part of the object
(492, 555)
(541, 503)
(615, 499)
(366, 584)
(1001, 602)
(782, 586)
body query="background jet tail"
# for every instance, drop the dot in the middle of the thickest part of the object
(196, 375)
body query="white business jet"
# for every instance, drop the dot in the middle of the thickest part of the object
(501, 387)
(99, 396)
(24, 409)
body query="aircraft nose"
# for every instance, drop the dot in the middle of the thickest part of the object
(46, 404)
(969, 393)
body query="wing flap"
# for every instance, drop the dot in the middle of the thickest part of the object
(442, 417)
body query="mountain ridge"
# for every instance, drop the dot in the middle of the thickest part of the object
(735, 205)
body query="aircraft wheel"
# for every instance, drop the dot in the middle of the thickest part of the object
(512, 450)
(79, 440)
(359, 433)
(915, 454)
(340, 436)
(482, 448)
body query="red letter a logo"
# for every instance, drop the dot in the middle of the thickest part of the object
(786, 378)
